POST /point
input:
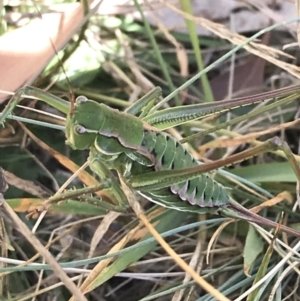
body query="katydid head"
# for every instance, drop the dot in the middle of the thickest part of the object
(83, 125)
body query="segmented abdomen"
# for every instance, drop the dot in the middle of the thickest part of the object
(201, 192)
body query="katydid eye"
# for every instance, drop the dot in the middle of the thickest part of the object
(79, 129)
(81, 99)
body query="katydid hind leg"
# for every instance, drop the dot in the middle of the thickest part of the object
(253, 113)
(163, 178)
(145, 103)
(235, 210)
(175, 116)
(150, 184)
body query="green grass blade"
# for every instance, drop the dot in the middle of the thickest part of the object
(157, 51)
(191, 26)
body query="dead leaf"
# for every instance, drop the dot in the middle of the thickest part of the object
(248, 77)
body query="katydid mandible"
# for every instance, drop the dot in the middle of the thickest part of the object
(152, 162)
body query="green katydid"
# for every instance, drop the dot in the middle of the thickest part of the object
(152, 162)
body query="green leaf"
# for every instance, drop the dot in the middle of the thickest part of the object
(268, 172)
(255, 295)
(253, 247)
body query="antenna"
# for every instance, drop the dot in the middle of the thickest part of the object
(72, 96)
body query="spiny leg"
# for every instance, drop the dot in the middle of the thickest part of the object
(145, 103)
(58, 103)
(83, 195)
(174, 116)
(104, 173)
(230, 208)
(238, 119)
(235, 210)
(164, 178)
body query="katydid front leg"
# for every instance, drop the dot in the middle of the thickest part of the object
(58, 103)
(84, 195)
(96, 165)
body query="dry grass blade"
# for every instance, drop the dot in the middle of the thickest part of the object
(59, 272)
(100, 267)
(246, 138)
(100, 231)
(268, 53)
(25, 185)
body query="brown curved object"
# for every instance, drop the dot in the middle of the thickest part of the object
(25, 52)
